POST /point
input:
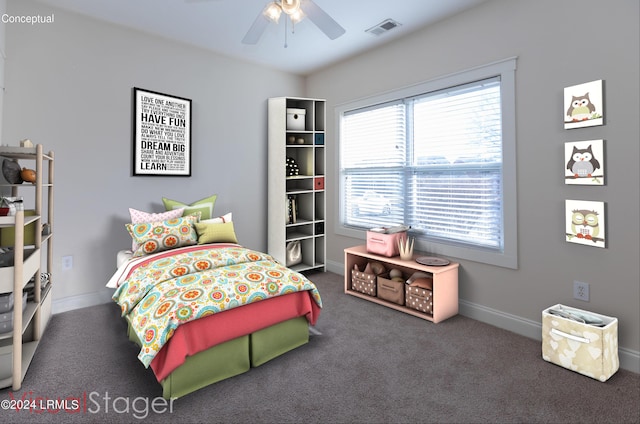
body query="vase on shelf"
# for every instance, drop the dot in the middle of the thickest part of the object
(405, 246)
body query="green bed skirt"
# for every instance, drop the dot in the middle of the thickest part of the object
(233, 357)
(208, 367)
(273, 341)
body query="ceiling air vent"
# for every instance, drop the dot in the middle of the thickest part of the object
(382, 27)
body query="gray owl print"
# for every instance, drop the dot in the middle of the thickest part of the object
(582, 162)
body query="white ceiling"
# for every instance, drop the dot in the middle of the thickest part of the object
(220, 25)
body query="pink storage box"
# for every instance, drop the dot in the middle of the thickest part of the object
(384, 244)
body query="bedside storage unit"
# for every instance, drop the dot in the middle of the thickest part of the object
(445, 282)
(23, 323)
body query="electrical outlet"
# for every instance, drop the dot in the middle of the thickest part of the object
(581, 291)
(67, 263)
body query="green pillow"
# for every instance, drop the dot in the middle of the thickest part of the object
(216, 233)
(204, 206)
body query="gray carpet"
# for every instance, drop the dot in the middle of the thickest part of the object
(371, 364)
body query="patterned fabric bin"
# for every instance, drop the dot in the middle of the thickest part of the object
(591, 350)
(419, 298)
(363, 282)
(392, 291)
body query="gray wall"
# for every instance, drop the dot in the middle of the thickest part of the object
(552, 54)
(68, 86)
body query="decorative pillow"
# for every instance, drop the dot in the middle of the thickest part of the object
(138, 217)
(153, 237)
(204, 206)
(219, 220)
(216, 233)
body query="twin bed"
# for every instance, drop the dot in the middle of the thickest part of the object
(202, 311)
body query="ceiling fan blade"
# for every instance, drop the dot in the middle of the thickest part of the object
(321, 19)
(256, 30)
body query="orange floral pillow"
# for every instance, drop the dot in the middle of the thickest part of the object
(153, 237)
(138, 217)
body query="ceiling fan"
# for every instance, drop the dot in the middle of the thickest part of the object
(295, 11)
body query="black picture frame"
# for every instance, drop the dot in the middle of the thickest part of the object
(161, 134)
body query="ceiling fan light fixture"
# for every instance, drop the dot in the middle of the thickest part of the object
(272, 12)
(297, 16)
(290, 7)
(294, 12)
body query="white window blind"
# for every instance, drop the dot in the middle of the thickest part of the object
(373, 163)
(432, 161)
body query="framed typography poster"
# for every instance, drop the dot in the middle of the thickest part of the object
(161, 134)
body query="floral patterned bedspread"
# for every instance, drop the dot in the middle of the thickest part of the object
(196, 281)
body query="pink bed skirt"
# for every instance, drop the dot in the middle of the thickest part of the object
(201, 334)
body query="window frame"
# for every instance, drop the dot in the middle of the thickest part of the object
(504, 69)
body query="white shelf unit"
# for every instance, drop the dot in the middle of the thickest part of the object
(308, 151)
(17, 347)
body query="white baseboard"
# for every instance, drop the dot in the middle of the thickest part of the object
(629, 359)
(81, 301)
(335, 267)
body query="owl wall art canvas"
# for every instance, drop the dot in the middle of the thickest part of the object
(585, 222)
(583, 105)
(584, 162)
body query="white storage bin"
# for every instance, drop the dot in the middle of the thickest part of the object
(6, 319)
(589, 348)
(296, 119)
(6, 302)
(7, 325)
(6, 361)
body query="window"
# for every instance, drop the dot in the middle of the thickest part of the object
(439, 156)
